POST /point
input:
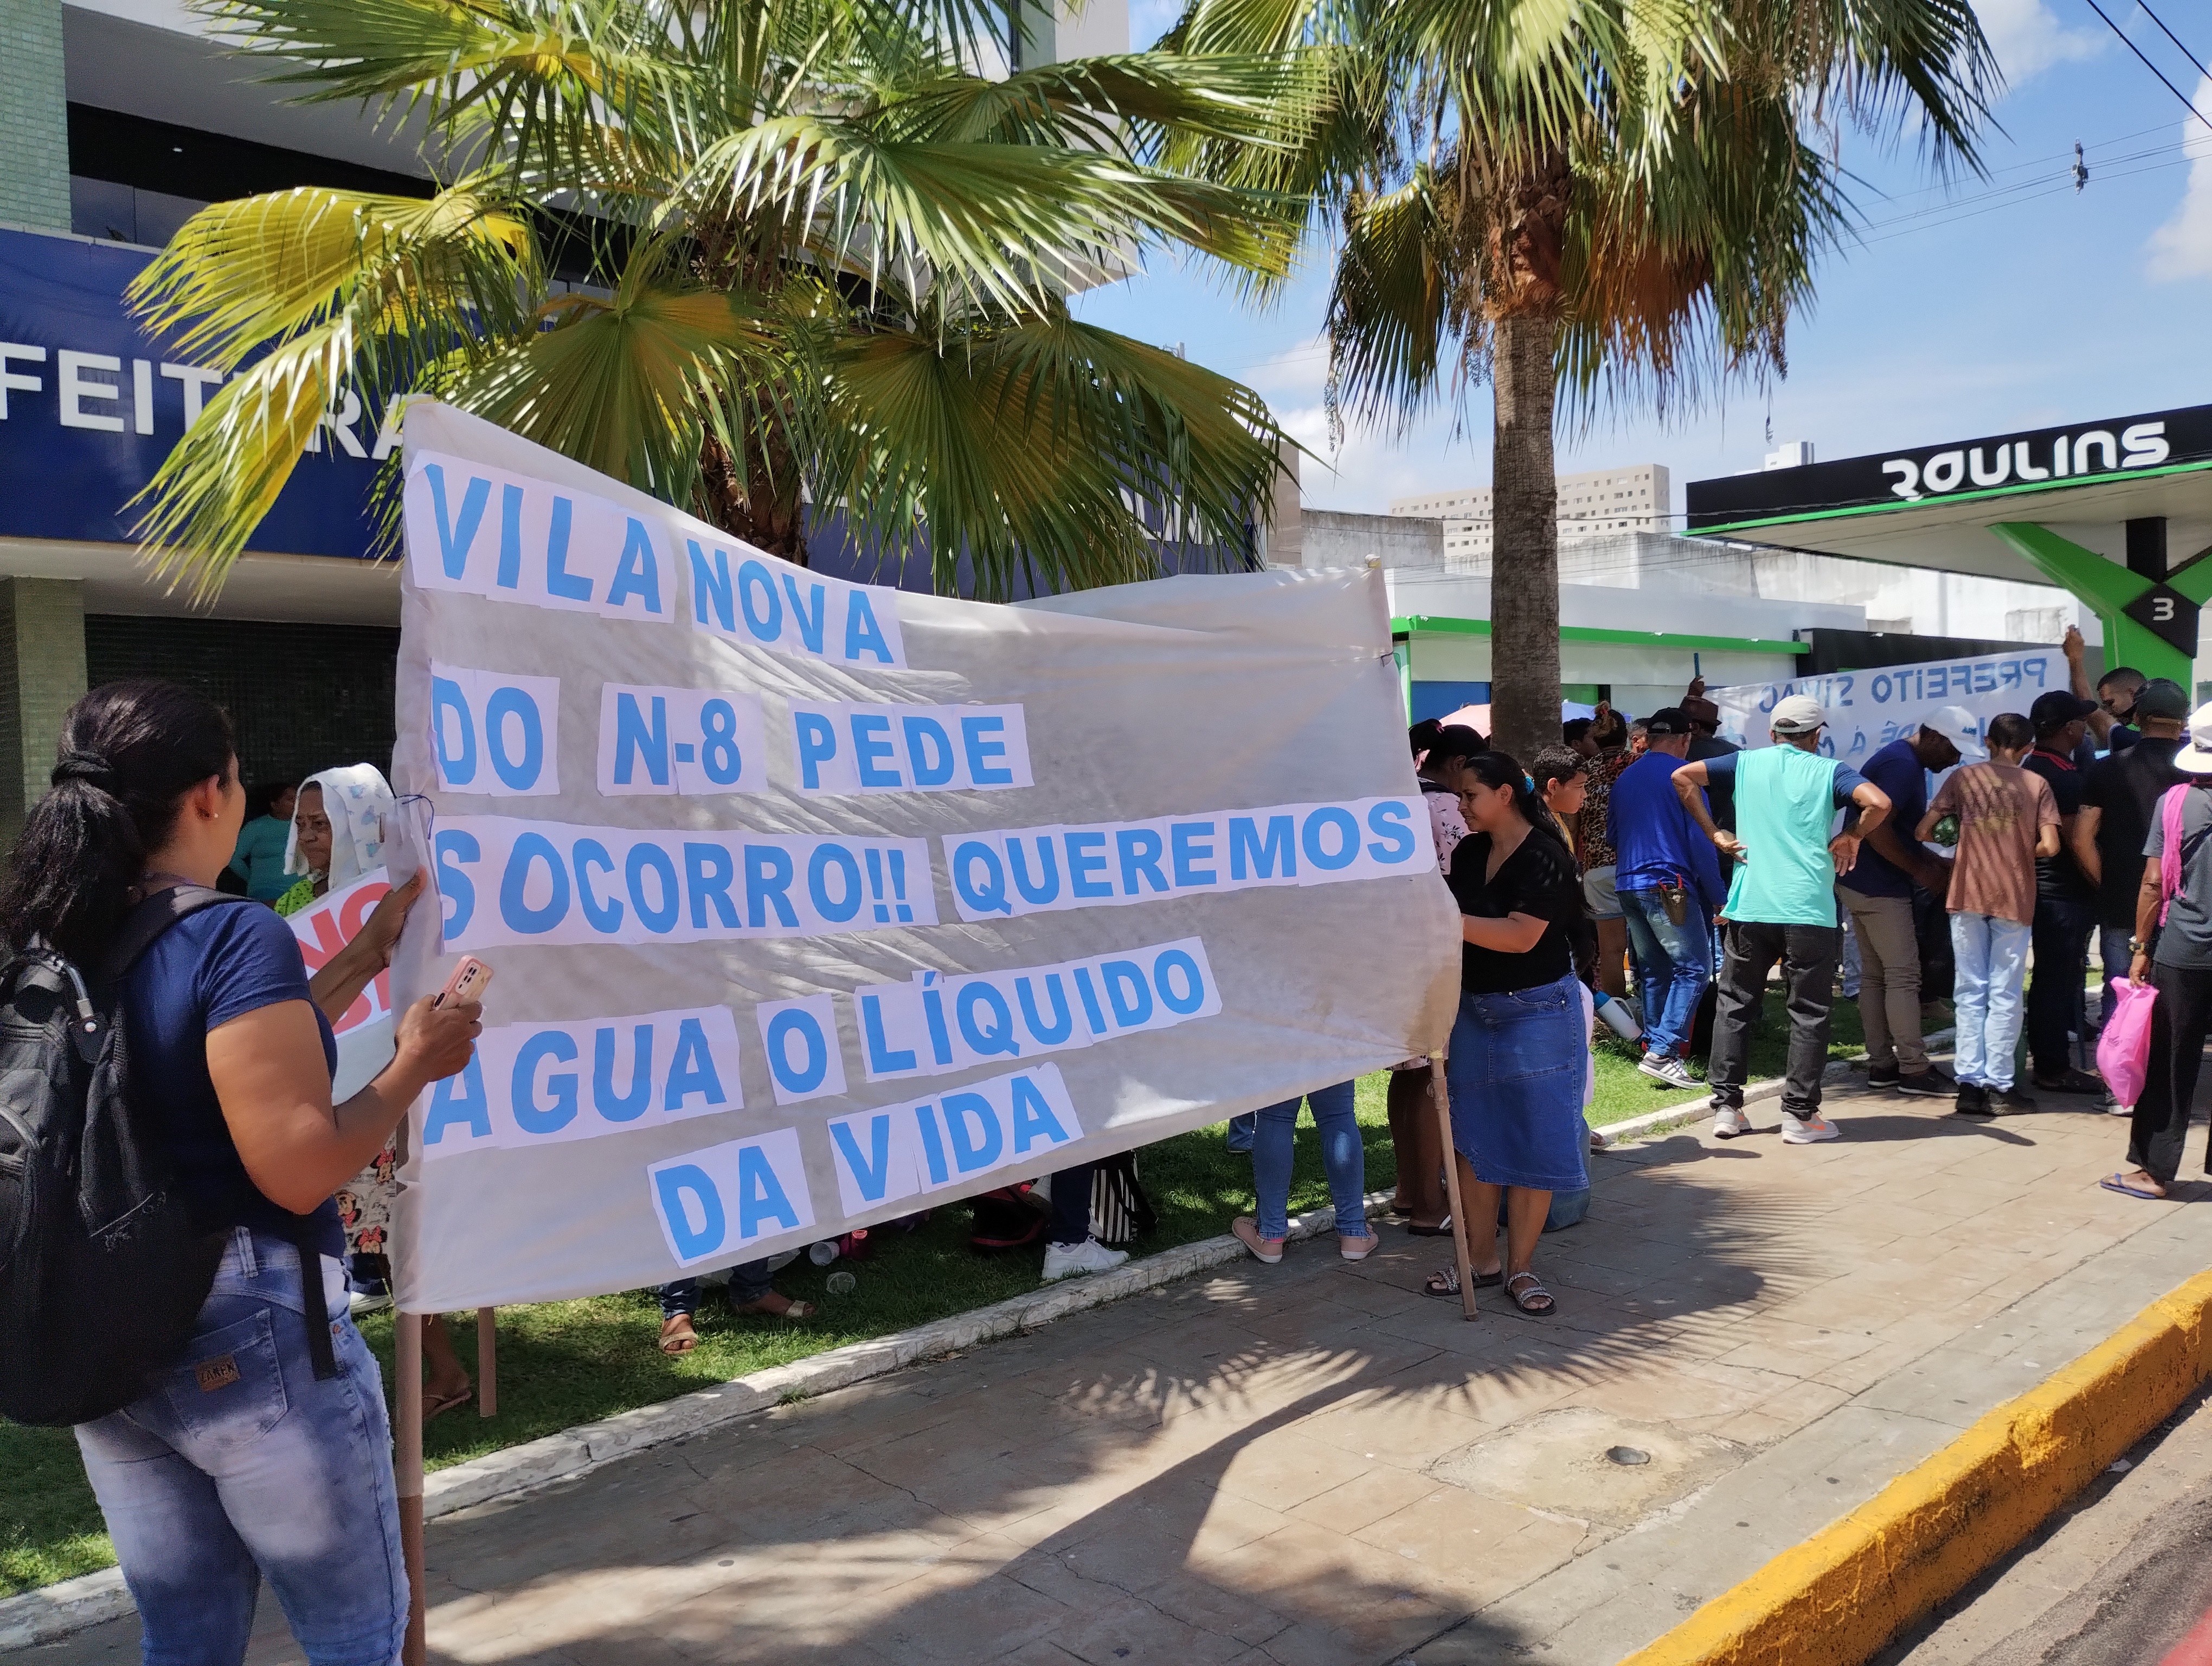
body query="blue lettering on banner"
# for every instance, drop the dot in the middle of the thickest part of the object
(672, 741)
(511, 722)
(731, 1197)
(1867, 709)
(1036, 870)
(555, 884)
(897, 1151)
(526, 1083)
(597, 558)
(753, 599)
(849, 748)
(932, 1023)
(804, 1059)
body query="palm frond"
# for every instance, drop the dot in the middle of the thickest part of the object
(311, 290)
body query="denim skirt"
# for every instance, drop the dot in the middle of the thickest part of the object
(1515, 1073)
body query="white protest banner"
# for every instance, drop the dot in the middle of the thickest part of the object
(1867, 709)
(364, 1030)
(814, 903)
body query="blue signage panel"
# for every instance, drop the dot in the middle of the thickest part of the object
(90, 404)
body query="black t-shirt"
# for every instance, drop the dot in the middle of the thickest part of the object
(2124, 789)
(2060, 878)
(1539, 879)
(1720, 791)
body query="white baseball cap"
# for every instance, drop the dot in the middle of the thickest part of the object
(1799, 714)
(1957, 725)
(2196, 758)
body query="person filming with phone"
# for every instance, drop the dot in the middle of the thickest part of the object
(260, 1447)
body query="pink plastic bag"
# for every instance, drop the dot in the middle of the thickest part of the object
(2124, 1050)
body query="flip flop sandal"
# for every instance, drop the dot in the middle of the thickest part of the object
(1441, 1231)
(1444, 1285)
(796, 1310)
(677, 1334)
(446, 1402)
(1532, 1297)
(2113, 1182)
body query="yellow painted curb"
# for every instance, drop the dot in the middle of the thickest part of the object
(1837, 1598)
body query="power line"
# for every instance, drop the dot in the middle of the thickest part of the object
(2148, 64)
(2174, 38)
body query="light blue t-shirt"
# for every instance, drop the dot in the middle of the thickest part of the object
(1785, 802)
(259, 858)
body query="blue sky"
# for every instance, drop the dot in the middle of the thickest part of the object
(1980, 308)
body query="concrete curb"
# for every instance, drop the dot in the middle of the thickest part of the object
(72, 1605)
(1839, 1597)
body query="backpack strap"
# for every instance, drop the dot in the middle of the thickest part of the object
(141, 928)
(148, 919)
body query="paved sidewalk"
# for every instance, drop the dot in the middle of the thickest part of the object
(1315, 1464)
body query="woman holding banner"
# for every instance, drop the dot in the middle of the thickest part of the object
(339, 820)
(1519, 1049)
(262, 1450)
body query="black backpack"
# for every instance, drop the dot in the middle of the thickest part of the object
(102, 1273)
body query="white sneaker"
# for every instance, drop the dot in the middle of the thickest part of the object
(1728, 1120)
(362, 1303)
(1808, 1131)
(1066, 1261)
(1665, 1067)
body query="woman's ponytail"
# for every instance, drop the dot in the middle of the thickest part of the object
(129, 753)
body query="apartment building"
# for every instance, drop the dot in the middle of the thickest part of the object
(1599, 504)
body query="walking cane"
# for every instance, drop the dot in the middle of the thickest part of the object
(1440, 1096)
(407, 1473)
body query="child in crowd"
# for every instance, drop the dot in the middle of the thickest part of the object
(2006, 818)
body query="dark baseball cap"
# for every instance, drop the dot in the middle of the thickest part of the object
(2055, 708)
(1669, 719)
(2162, 697)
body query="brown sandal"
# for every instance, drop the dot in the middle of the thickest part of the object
(437, 1405)
(676, 1336)
(792, 1309)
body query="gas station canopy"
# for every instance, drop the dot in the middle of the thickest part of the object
(2095, 508)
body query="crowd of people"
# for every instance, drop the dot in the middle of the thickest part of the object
(1648, 861)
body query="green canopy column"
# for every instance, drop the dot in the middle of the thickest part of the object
(2149, 623)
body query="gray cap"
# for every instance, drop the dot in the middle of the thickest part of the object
(1798, 713)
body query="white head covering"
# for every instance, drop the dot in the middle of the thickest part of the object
(360, 804)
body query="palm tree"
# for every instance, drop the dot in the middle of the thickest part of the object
(1626, 199)
(824, 259)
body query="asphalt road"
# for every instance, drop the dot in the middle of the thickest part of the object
(2118, 1579)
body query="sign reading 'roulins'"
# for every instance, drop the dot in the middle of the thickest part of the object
(2038, 460)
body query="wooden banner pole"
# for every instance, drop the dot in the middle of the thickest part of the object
(1440, 1097)
(488, 1362)
(407, 1471)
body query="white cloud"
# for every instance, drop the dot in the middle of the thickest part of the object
(2182, 247)
(2028, 37)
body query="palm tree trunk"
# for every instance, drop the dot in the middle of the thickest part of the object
(1524, 569)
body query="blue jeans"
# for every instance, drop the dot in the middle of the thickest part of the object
(2113, 948)
(1673, 963)
(239, 1464)
(1991, 955)
(748, 1282)
(1342, 1154)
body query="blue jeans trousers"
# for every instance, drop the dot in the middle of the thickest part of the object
(1991, 957)
(1342, 1154)
(238, 1465)
(1673, 963)
(748, 1282)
